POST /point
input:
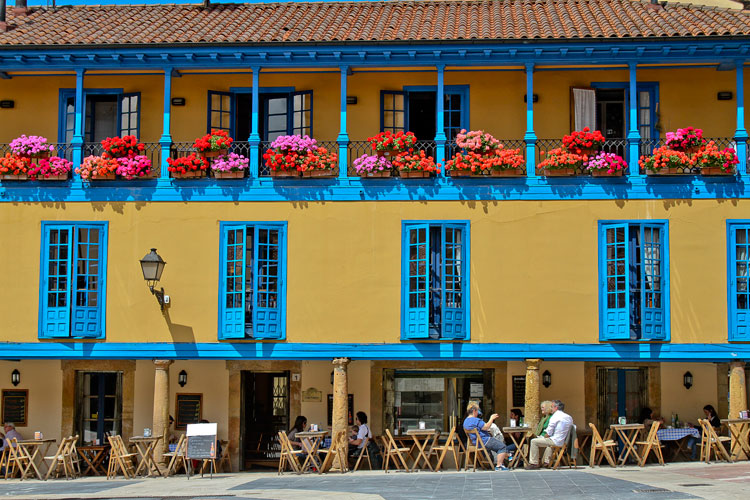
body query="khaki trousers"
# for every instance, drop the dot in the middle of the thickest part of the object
(537, 443)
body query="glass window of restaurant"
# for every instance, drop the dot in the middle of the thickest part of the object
(436, 398)
(98, 406)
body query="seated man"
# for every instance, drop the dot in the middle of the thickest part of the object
(494, 445)
(555, 435)
(10, 433)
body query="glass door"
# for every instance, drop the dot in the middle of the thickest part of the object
(98, 405)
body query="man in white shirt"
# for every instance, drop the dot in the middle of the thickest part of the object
(555, 435)
(10, 433)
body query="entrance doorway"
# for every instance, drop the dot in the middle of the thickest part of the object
(622, 392)
(264, 412)
(98, 405)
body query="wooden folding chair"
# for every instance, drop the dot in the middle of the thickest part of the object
(339, 450)
(392, 451)
(601, 445)
(288, 455)
(364, 453)
(225, 461)
(73, 458)
(440, 451)
(176, 457)
(481, 453)
(20, 458)
(561, 454)
(710, 441)
(119, 457)
(651, 443)
(59, 460)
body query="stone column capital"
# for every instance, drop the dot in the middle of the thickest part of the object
(736, 364)
(533, 364)
(163, 364)
(341, 362)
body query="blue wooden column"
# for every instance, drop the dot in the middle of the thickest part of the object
(166, 135)
(740, 135)
(634, 135)
(343, 137)
(440, 137)
(77, 140)
(254, 138)
(530, 136)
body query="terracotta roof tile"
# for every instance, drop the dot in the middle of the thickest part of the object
(393, 20)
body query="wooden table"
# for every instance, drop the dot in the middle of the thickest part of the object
(739, 430)
(680, 438)
(145, 447)
(422, 437)
(628, 434)
(94, 456)
(36, 448)
(520, 454)
(310, 442)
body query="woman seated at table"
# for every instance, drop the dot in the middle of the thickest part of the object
(647, 418)
(715, 422)
(299, 426)
(356, 444)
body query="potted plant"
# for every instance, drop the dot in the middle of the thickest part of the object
(687, 140)
(560, 162)
(373, 166)
(389, 144)
(666, 161)
(122, 147)
(464, 165)
(477, 141)
(187, 167)
(32, 146)
(416, 165)
(231, 166)
(214, 144)
(606, 165)
(135, 167)
(583, 142)
(287, 153)
(500, 163)
(318, 163)
(14, 168)
(95, 168)
(711, 161)
(51, 169)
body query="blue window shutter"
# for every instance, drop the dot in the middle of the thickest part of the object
(455, 267)
(392, 111)
(220, 111)
(87, 298)
(55, 274)
(301, 116)
(615, 282)
(130, 114)
(415, 290)
(232, 287)
(653, 298)
(268, 281)
(739, 279)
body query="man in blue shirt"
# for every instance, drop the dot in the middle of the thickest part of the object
(495, 446)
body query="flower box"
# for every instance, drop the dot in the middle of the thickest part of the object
(558, 172)
(716, 171)
(232, 174)
(668, 171)
(58, 177)
(213, 154)
(414, 174)
(109, 176)
(320, 173)
(507, 172)
(11, 177)
(378, 174)
(606, 173)
(190, 174)
(284, 174)
(387, 154)
(463, 172)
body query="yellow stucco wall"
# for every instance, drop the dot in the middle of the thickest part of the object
(688, 403)
(43, 380)
(496, 99)
(533, 266)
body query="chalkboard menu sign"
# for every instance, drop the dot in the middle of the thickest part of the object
(189, 409)
(15, 406)
(201, 441)
(519, 390)
(351, 409)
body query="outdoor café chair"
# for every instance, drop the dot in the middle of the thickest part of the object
(711, 442)
(481, 454)
(120, 458)
(19, 459)
(339, 449)
(651, 444)
(225, 463)
(603, 446)
(364, 453)
(176, 457)
(60, 460)
(440, 451)
(288, 455)
(560, 453)
(73, 457)
(392, 451)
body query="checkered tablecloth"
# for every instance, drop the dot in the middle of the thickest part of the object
(676, 434)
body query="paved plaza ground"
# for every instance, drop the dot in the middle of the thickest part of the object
(674, 481)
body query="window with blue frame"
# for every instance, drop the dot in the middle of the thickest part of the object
(252, 290)
(415, 109)
(739, 278)
(107, 113)
(73, 276)
(634, 281)
(435, 280)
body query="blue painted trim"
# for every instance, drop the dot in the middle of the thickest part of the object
(740, 134)
(254, 138)
(530, 136)
(77, 141)
(343, 137)
(733, 225)
(166, 136)
(633, 135)
(103, 258)
(409, 351)
(263, 90)
(440, 136)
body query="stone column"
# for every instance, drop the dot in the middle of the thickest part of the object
(160, 426)
(340, 400)
(737, 389)
(533, 393)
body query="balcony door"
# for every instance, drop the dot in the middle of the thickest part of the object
(415, 109)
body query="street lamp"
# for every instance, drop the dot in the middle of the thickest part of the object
(546, 378)
(152, 266)
(182, 378)
(15, 378)
(687, 380)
